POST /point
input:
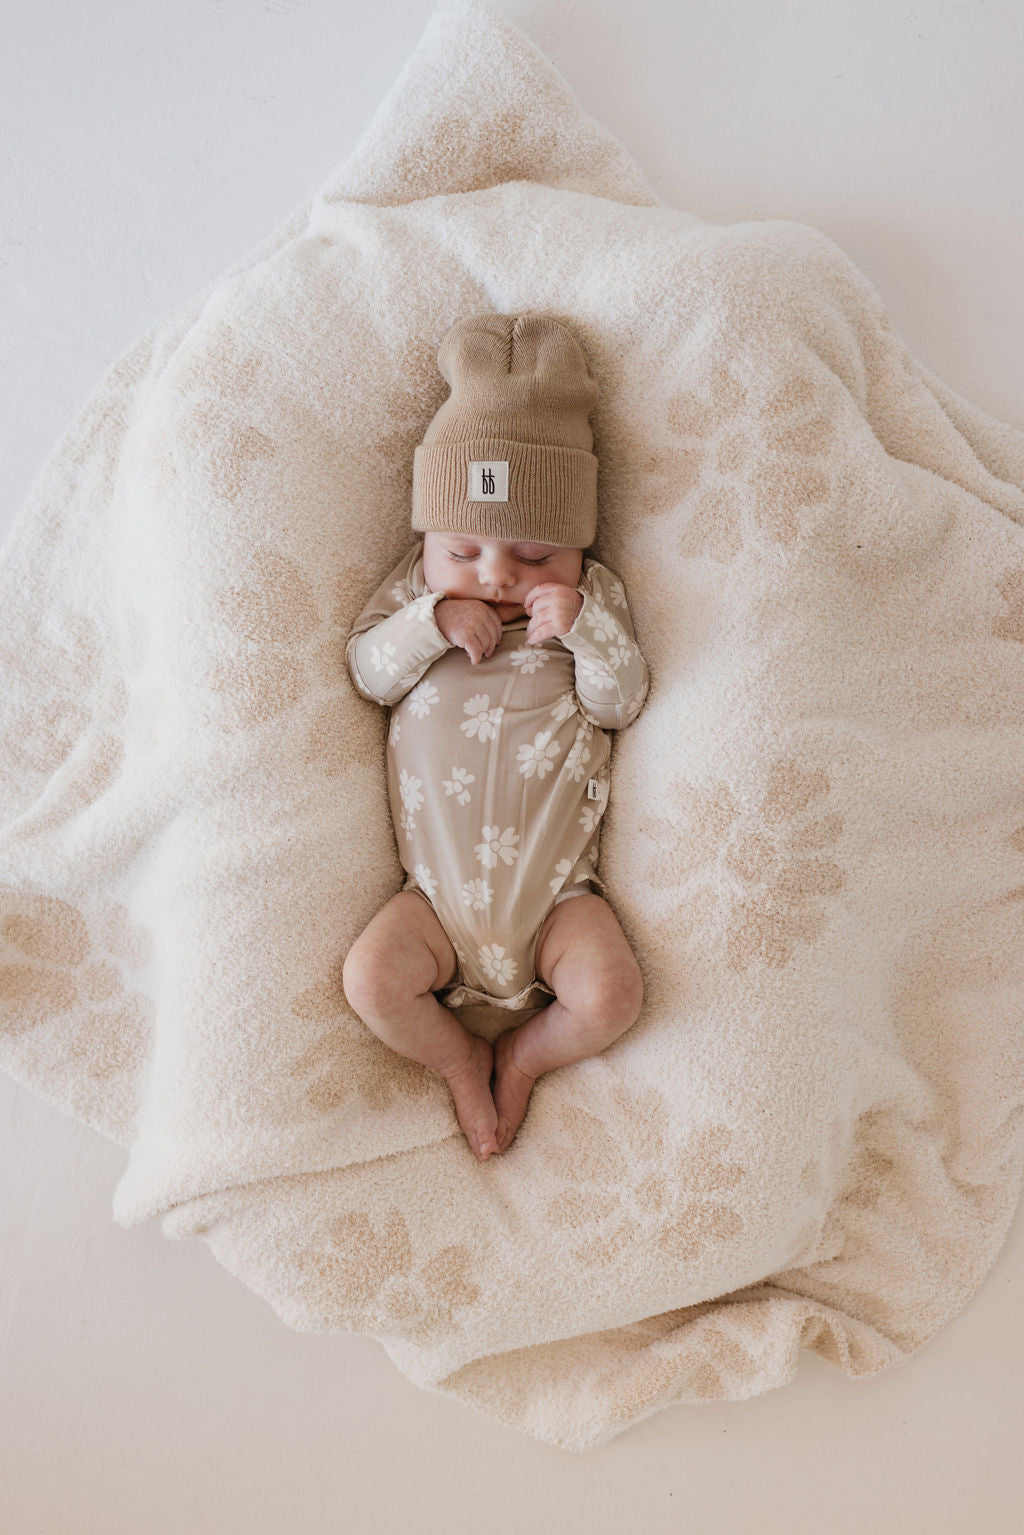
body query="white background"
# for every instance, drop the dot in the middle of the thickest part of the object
(146, 144)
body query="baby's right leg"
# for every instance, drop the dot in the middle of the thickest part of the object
(389, 976)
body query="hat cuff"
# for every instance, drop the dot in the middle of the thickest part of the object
(552, 492)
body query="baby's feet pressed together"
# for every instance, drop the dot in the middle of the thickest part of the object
(489, 1120)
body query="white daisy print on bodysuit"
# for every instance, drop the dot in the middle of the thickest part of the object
(529, 658)
(591, 814)
(565, 706)
(383, 658)
(579, 753)
(422, 608)
(537, 758)
(425, 880)
(484, 720)
(498, 964)
(619, 654)
(497, 845)
(477, 894)
(616, 592)
(458, 784)
(423, 695)
(409, 789)
(594, 672)
(563, 868)
(603, 624)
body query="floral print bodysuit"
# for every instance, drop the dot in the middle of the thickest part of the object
(497, 773)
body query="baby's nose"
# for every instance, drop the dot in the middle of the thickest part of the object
(497, 575)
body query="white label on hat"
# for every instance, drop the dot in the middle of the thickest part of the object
(488, 482)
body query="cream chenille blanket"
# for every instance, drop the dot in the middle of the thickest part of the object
(813, 1135)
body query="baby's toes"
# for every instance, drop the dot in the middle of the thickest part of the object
(486, 1138)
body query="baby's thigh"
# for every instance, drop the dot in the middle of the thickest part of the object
(584, 956)
(402, 951)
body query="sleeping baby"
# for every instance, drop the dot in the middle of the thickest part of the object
(506, 655)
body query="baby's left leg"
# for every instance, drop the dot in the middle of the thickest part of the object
(584, 956)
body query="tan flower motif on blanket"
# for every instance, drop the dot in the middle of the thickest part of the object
(288, 651)
(41, 736)
(274, 613)
(690, 1360)
(347, 1061)
(676, 1356)
(368, 1272)
(58, 968)
(629, 1189)
(779, 860)
(777, 849)
(760, 461)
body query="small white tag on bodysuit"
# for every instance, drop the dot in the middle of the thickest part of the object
(488, 482)
(593, 791)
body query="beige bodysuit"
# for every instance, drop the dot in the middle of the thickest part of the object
(497, 772)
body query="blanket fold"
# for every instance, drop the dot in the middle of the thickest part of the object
(813, 1136)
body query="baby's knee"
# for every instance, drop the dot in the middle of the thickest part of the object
(611, 998)
(367, 978)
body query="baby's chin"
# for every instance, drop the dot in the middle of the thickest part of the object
(508, 610)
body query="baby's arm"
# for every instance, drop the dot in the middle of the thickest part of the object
(612, 679)
(395, 638)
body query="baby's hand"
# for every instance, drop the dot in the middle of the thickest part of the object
(467, 622)
(553, 608)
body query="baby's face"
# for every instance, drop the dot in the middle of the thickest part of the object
(499, 571)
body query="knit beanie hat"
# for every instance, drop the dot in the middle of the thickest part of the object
(510, 452)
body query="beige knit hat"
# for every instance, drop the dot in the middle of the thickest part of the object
(510, 452)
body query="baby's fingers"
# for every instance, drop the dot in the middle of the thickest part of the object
(476, 647)
(481, 646)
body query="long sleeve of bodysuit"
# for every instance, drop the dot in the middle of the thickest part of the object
(612, 679)
(395, 640)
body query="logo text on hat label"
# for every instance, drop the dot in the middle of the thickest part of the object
(488, 481)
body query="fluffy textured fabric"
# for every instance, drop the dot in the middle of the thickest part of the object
(812, 1136)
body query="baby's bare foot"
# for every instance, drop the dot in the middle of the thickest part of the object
(474, 1106)
(512, 1089)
